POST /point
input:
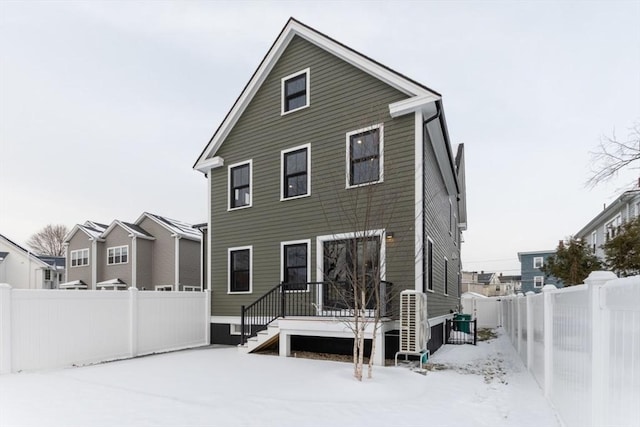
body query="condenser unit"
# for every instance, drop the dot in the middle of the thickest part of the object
(414, 325)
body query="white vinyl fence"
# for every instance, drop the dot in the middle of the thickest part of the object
(487, 310)
(582, 345)
(42, 329)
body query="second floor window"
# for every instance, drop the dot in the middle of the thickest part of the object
(538, 281)
(538, 262)
(295, 172)
(240, 185)
(118, 255)
(364, 156)
(80, 257)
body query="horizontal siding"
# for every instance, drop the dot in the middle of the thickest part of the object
(436, 208)
(79, 241)
(342, 99)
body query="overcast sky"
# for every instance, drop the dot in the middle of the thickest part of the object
(104, 107)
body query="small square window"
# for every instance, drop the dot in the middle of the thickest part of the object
(240, 185)
(296, 179)
(295, 91)
(365, 156)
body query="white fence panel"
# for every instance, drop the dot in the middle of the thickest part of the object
(583, 348)
(42, 329)
(522, 328)
(170, 321)
(488, 312)
(537, 362)
(571, 354)
(622, 390)
(53, 328)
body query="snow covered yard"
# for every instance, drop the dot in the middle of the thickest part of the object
(485, 385)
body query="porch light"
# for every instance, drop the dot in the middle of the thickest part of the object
(389, 235)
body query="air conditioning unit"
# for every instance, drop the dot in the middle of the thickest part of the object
(414, 326)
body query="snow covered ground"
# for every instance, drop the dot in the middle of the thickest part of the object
(485, 385)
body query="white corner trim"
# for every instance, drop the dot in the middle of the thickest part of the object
(419, 202)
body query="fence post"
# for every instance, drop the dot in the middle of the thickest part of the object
(600, 326)
(530, 333)
(207, 317)
(547, 291)
(5, 329)
(133, 321)
(518, 324)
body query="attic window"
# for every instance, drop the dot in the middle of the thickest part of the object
(295, 91)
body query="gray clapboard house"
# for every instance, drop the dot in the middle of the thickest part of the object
(329, 157)
(154, 253)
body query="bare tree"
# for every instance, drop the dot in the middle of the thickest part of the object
(49, 240)
(614, 155)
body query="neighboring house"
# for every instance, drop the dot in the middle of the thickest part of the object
(318, 126)
(22, 269)
(533, 279)
(153, 253)
(489, 284)
(606, 225)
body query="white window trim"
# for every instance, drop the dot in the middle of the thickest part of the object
(428, 279)
(229, 168)
(79, 251)
(306, 71)
(379, 126)
(240, 248)
(541, 262)
(282, 183)
(163, 288)
(118, 247)
(296, 242)
(344, 236)
(535, 285)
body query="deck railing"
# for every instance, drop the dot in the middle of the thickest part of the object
(312, 299)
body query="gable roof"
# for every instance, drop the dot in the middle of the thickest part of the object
(133, 230)
(89, 230)
(24, 251)
(179, 228)
(418, 93)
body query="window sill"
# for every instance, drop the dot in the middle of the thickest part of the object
(239, 208)
(364, 184)
(283, 199)
(285, 113)
(239, 293)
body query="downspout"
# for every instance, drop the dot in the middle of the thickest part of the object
(94, 264)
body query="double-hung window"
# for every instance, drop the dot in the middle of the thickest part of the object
(538, 281)
(295, 264)
(446, 276)
(240, 185)
(80, 257)
(295, 91)
(118, 255)
(296, 177)
(365, 156)
(429, 278)
(538, 262)
(240, 269)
